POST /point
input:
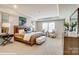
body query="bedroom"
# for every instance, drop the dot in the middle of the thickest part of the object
(41, 22)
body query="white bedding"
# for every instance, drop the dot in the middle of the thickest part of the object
(40, 40)
(27, 36)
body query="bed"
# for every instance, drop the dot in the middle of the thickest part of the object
(27, 38)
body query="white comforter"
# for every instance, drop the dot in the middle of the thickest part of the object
(40, 40)
(27, 36)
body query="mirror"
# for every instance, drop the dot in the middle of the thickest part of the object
(74, 22)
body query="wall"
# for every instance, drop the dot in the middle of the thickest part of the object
(65, 10)
(13, 18)
(30, 20)
(0, 22)
(60, 28)
(58, 23)
(38, 26)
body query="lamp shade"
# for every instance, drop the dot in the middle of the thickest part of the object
(6, 25)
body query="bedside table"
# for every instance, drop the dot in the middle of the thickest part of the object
(6, 38)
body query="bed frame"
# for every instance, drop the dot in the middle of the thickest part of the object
(16, 30)
(21, 38)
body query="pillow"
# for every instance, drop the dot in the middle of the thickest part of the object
(40, 40)
(28, 30)
(21, 31)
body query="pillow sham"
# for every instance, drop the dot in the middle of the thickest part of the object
(21, 31)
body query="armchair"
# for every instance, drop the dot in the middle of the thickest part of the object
(52, 34)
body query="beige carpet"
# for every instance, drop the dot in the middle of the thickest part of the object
(50, 47)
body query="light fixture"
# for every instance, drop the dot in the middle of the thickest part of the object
(6, 25)
(15, 6)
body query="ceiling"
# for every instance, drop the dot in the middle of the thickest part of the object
(66, 10)
(36, 11)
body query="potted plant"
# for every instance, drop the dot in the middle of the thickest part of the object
(73, 24)
(66, 24)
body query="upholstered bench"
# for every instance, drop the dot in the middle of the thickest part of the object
(40, 40)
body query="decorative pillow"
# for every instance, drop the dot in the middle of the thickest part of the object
(40, 40)
(21, 31)
(28, 30)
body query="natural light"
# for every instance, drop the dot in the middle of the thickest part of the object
(48, 26)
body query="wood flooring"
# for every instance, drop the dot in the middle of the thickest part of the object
(71, 46)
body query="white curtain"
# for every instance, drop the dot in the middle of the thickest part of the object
(48, 26)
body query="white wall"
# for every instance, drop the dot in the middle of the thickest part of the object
(60, 29)
(13, 18)
(65, 10)
(0, 22)
(60, 33)
(38, 26)
(29, 20)
(59, 25)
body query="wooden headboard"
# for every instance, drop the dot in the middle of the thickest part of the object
(16, 29)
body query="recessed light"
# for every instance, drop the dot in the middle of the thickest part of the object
(15, 6)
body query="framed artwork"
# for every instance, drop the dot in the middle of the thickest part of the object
(22, 21)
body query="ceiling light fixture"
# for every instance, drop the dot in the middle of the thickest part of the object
(15, 6)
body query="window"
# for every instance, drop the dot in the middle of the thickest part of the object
(45, 26)
(48, 26)
(51, 27)
(5, 18)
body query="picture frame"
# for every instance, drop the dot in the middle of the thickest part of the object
(22, 21)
